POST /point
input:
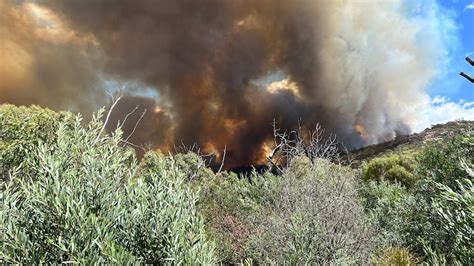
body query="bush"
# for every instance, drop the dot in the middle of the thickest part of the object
(315, 218)
(455, 212)
(433, 217)
(396, 256)
(440, 161)
(390, 207)
(395, 168)
(85, 200)
(446, 191)
(21, 130)
(230, 203)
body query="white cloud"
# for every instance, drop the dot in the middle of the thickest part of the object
(441, 110)
(470, 6)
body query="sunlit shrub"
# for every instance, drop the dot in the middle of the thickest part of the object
(440, 161)
(455, 211)
(21, 130)
(396, 256)
(389, 206)
(315, 218)
(433, 217)
(85, 200)
(445, 201)
(395, 168)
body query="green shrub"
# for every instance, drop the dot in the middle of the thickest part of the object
(85, 200)
(396, 256)
(195, 166)
(21, 130)
(455, 211)
(444, 202)
(314, 218)
(390, 207)
(395, 168)
(230, 204)
(440, 161)
(433, 217)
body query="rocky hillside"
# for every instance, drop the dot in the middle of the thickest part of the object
(413, 141)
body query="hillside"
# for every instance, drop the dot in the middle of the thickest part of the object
(410, 142)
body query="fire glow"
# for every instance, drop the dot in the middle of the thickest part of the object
(223, 70)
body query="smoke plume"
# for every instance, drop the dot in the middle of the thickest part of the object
(218, 72)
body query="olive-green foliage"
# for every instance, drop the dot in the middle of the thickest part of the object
(21, 130)
(389, 206)
(434, 217)
(395, 168)
(455, 211)
(290, 218)
(85, 200)
(193, 165)
(440, 162)
(230, 204)
(445, 200)
(314, 217)
(396, 256)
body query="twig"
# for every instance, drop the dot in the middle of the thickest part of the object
(107, 119)
(136, 125)
(126, 117)
(274, 165)
(223, 159)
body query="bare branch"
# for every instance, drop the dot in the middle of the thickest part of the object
(194, 148)
(136, 125)
(312, 144)
(471, 79)
(144, 148)
(275, 166)
(470, 61)
(119, 125)
(115, 102)
(223, 159)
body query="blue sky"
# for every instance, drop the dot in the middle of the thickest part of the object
(450, 84)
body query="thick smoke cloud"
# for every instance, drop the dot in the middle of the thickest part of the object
(220, 71)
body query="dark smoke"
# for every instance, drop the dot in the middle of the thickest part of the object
(220, 71)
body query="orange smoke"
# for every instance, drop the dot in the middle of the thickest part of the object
(217, 73)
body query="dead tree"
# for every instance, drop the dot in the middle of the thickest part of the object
(313, 143)
(471, 62)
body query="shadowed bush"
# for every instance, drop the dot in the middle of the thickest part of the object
(389, 206)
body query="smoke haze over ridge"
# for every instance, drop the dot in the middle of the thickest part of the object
(218, 72)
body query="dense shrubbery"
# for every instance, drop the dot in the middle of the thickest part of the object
(70, 193)
(390, 208)
(314, 218)
(433, 218)
(21, 130)
(446, 195)
(85, 199)
(396, 168)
